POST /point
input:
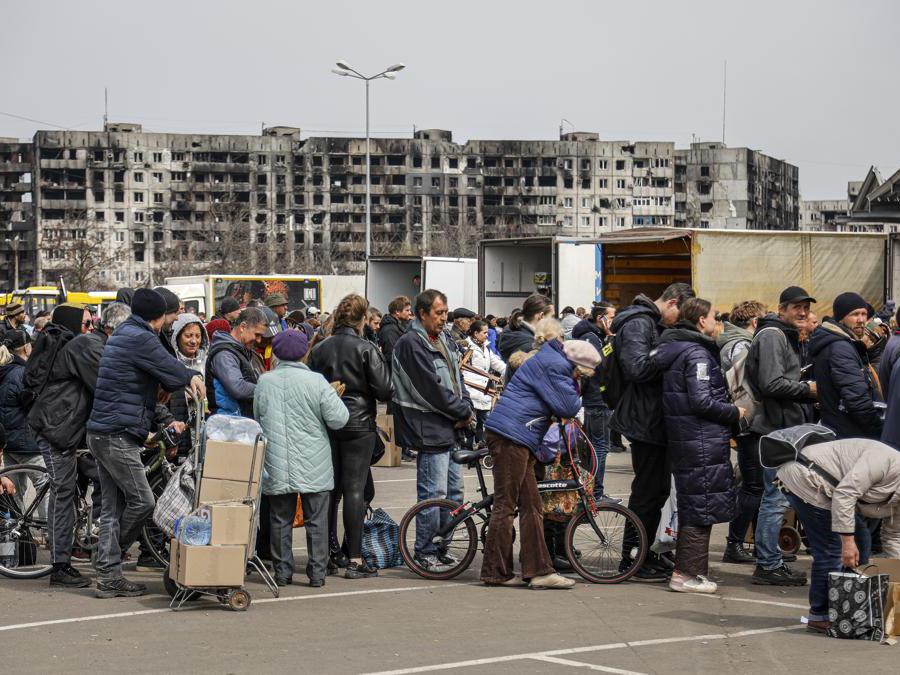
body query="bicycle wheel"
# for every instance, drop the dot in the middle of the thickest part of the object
(597, 554)
(24, 533)
(456, 539)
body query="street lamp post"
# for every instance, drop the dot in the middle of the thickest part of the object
(345, 70)
(14, 245)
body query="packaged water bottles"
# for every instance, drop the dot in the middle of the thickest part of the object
(8, 557)
(194, 529)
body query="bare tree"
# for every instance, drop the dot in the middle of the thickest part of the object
(78, 252)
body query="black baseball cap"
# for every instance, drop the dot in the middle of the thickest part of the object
(794, 294)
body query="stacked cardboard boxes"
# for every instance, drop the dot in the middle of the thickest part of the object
(229, 484)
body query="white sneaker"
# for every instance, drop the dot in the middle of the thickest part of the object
(550, 581)
(681, 583)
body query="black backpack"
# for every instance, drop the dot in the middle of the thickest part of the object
(609, 373)
(786, 445)
(40, 364)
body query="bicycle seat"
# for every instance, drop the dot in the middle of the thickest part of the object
(469, 456)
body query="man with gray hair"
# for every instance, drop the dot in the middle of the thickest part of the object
(58, 420)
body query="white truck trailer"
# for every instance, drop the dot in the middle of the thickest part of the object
(390, 276)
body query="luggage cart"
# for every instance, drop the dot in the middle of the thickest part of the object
(236, 598)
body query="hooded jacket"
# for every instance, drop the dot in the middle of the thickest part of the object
(638, 416)
(846, 389)
(733, 341)
(63, 409)
(698, 418)
(230, 376)
(868, 474)
(542, 387)
(133, 366)
(773, 370)
(591, 393)
(178, 403)
(429, 393)
(19, 438)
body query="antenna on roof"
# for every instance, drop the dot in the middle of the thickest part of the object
(105, 107)
(724, 91)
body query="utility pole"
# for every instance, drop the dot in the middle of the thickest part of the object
(14, 245)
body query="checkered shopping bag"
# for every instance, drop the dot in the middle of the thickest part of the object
(381, 540)
(177, 499)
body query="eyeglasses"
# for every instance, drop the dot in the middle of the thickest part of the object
(88, 324)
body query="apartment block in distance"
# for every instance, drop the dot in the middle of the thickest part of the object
(149, 205)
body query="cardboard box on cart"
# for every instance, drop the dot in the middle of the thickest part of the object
(207, 566)
(229, 472)
(891, 567)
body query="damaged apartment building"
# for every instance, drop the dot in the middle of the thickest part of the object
(143, 206)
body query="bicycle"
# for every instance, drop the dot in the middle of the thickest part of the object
(605, 543)
(28, 528)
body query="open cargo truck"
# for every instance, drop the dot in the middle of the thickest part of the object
(724, 266)
(390, 276)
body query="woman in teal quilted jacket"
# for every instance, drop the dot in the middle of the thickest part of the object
(296, 407)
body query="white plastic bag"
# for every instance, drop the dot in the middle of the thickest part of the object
(229, 428)
(667, 532)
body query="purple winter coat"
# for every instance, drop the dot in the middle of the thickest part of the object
(698, 417)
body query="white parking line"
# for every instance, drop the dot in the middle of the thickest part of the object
(542, 656)
(145, 612)
(582, 664)
(755, 602)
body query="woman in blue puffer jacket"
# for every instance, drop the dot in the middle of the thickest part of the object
(699, 418)
(544, 386)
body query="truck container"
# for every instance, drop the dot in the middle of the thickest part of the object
(390, 276)
(723, 266)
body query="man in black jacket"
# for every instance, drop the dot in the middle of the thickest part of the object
(394, 325)
(595, 330)
(639, 415)
(132, 368)
(773, 369)
(843, 376)
(57, 419)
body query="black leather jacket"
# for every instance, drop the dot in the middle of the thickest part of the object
(357, 363)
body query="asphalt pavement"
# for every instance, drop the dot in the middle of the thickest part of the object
(400, 623)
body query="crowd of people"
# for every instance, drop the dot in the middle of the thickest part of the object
(670, 385)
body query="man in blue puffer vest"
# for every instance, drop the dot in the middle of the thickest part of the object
(133, 366)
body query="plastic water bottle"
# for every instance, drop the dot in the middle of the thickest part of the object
(8, 554)
(194, 530)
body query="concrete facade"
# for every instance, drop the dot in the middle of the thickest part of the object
(153, 205)
(819, 215)
(17, 225)
(735, 188)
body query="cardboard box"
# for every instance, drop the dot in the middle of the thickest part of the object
(232, 461)
(208, 566)
(217, 490)
(889, 566)
(391, 455)
(230, 524)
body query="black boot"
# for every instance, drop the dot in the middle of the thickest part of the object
(736, 553)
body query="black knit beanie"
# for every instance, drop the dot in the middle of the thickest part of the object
(846, 303)
(148, 304)
(172, 301)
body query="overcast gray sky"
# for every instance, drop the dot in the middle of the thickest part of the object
(815, 83)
